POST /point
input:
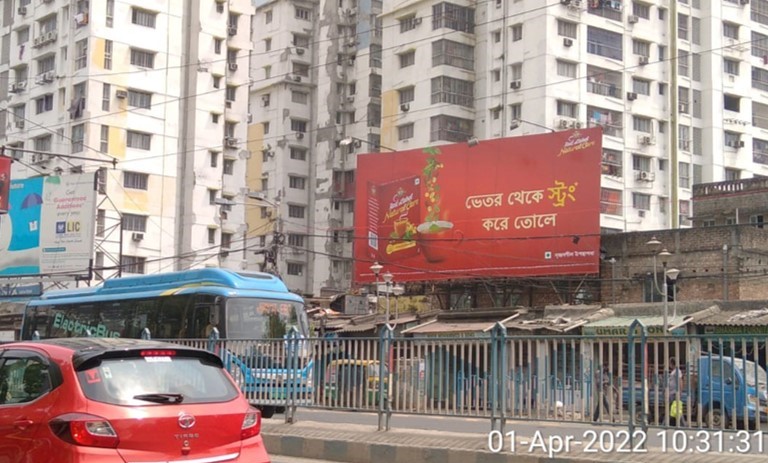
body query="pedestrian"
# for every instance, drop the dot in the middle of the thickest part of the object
(603, 380)
(674, 391)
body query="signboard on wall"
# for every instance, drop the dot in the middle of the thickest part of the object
(520, 206)
(5, 182)
(48, 229)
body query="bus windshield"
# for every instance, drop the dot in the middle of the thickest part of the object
(249, 318)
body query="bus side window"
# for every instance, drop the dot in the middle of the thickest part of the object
(201, 324)
(173, 319)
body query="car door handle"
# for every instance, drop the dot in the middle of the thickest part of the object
(23, 424)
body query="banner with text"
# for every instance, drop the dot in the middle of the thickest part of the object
(521, 206)
(48, 229)
(5, 182)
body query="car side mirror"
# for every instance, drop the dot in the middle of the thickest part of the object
(728, 381)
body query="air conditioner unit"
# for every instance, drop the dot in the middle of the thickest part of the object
(21, 85)
(51, 36)
(19, 124)
(631, 96)
(232, 66)
(576, 124)
(645, 176)
(682, 107)
(300, 51)
(405, 107)
(49, 76)
(137, 236)
(12, 88)
(416, 21)
(231, 142)
(632, 19)
(22, 10)
(228, 104)
(350, 99)
(265, 99)
(646, 140)
(37, 42)
(744, 2)
(515, 85)
(643, 60)
(297, 78)
(231, 30)
(567, 42)
(299, 135)
(640, 213)
(121, 94)
(564, 123)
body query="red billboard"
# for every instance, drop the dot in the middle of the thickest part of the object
(5, 183)
(516, 207)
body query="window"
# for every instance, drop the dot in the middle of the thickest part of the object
(567, 109)
(708, 223)
(759, 115)
(110, 14)
(517, 32)
(214, 158)
(759, 11)
(298, 125)
(301, 41)
(567, 69)
(212, 195)
(567, 29)
(405, 131)
(231, 93)
(610, 9)
(449, 128)
(759, 45)
(451, 16)
(732, 139)
(641, 10)
(732, 174)
(759, 78)
(48, 24)
(406, 95)
(303, 13)
(757, 220)
(407, 59)
(211, 236)
(641, 163)
(143, 17)
(641, 86)
(612, 163)
(142, 58)
(604, 43)
(295, 240)
(408, 24)
(43, 143)
(104, 139)
(268, 17)
(731, 30)
(44, 103)
(456, 54)
(515, 111)
(135, 180)
(107, 54)
(611, 202)
(732, 102)
(296, 212)
(265, 125)
(134, 222)
(78, 135)
(106, 96)
(641, 48)
(641, 201)
(46, 64)
(682, 26)
(226, 240)
(22, 36)
(684, 170)
(453, 91)
(81, 54)
(139, 99)
(133, 264)
(101, 219)
(604, 82)
(731, 66)
(642, 124)
(683, 63)
(496, 35)
(297, 183)
(301, 69)
(229, 167)
(139, 140)
(295, 269)
(298, 154)
(217, 43)
(299, 97)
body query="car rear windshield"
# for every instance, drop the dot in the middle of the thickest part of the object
(156, 380)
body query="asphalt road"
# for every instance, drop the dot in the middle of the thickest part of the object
(553, 434)
(282, 459)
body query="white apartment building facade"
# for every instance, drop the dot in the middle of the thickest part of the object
(679, 87)
(161, 87)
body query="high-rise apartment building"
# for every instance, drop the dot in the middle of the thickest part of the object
(159, 86)
(680, 89)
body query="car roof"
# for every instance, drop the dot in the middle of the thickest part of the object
(85, 348)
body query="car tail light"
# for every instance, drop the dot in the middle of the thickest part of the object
(158, 353)
(86, 430)
(251, 424)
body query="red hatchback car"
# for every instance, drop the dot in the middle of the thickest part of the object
(98, 400)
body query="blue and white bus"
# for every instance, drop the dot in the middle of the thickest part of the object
(250, 319)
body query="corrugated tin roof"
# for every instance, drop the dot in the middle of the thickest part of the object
(560, 322)
(621, 321)
(449, 327)
(744, 318)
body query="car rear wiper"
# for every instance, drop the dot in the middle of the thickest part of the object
(161, 398)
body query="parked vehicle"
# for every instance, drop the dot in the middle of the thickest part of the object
(723, 388)
(116, 400)
(354, 383)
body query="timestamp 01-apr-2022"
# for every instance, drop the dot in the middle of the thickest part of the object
(622, 441)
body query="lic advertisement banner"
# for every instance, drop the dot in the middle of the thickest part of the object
(48, 229)
(517, 207)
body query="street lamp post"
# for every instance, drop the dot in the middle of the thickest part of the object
(388, 282)
(672, 274)
(397, 290)
(376, 269)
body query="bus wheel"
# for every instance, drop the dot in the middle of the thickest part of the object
(267, 412)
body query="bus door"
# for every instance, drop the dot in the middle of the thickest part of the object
(206, 316)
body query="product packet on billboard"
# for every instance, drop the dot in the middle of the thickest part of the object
(393, 214)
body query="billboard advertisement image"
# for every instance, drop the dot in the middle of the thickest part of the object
(48, 229)
(510, 207)
(5, 182)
